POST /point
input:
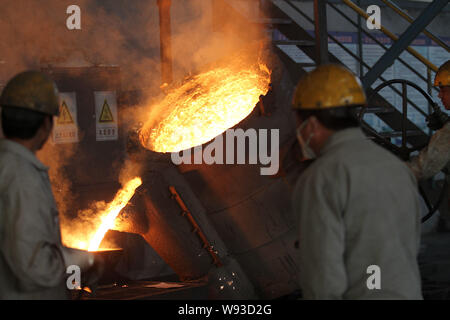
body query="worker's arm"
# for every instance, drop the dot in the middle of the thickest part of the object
(31, 246)
(434, 157)
(321, 237)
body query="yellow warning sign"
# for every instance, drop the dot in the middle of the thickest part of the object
(106, 115)
(64, 115)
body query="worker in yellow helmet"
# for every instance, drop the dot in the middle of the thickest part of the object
(357, 204)
(33, 261)
(436, 156)
(442, 80)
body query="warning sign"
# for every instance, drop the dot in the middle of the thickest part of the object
(106, 115)
(65, 129)
(64, 114)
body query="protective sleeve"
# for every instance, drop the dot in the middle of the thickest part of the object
(321, 237)
(31, 246)
(434, 157)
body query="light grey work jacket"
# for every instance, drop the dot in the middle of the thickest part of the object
(357, 206)
(31, 262)
(432, 159)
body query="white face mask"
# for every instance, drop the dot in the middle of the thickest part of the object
(307, 152)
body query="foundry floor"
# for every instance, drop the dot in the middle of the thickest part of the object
(434, 263)
(152, 290)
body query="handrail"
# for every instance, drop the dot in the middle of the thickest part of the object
(417, 55)
(381, 77)
(408, 18)
(380, 44)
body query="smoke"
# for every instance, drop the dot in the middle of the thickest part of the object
(119, 32)
(56, 157)
(33, 34)
(116, 32)
(78, 227)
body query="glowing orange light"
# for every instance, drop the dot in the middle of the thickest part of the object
(113, 210)
(88, 231)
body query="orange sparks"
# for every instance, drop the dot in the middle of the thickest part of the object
(205, 106)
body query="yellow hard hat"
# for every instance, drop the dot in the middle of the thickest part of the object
(442, 78)
(328, 86)
(31, 90)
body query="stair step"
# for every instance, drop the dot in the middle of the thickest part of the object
(396, 134)
(273, 21)
(379, 110)
(306, 64)
(294, 42)
(287, 9)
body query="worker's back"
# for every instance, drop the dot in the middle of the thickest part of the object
(31, 266)
(369, 215)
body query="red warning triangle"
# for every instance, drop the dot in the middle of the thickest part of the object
(64, 115)
(106, 115)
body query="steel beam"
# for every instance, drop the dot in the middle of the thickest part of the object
(403, 42)
(360, 44)
(321, 32)
(408, 18)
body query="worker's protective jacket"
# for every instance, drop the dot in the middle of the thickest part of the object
(357, 207)
(435, 157)
(31, 262)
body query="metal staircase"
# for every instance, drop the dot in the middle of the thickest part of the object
(287, 18)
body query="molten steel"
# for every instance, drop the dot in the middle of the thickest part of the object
(205, 106)
(113, 210)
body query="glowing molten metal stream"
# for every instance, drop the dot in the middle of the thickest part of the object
(112, 211)
(205, 106)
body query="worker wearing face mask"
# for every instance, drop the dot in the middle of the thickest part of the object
(357, 205)
(436, 156)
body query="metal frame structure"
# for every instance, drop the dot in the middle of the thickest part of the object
(296, 34)
(321, 31)
(408, 18)
(403, 42)
(363, 64)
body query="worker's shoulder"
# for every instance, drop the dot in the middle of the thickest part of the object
(361, 155)
(442, 135)
(446, 127)
(366, 150)
(15, 170)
